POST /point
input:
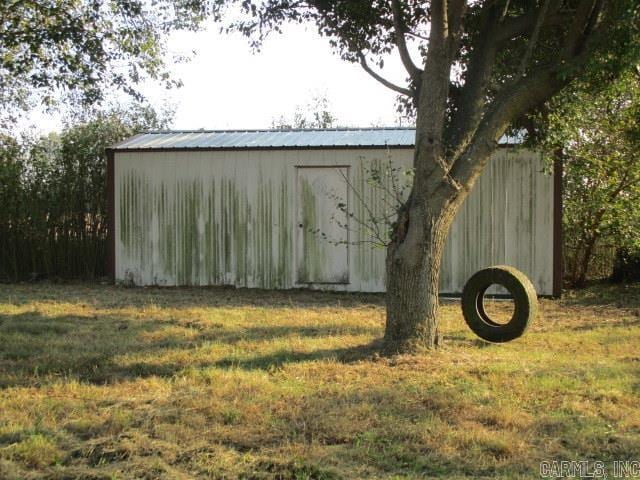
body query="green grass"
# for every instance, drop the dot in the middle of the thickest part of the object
(100, 382)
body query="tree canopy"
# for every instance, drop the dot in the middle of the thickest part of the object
(53, 193)
(315, 114)
(493, 47)
(84, 48)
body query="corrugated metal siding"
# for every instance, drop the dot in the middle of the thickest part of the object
(231, 217)
(507, 219)
(320, 225)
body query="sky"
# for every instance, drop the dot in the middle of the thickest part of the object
(226, 86)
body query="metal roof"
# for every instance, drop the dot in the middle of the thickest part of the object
(278, 139)
(258, 139)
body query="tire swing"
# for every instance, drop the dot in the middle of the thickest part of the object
(524, 298)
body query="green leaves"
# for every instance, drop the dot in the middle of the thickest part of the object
(85, 47)
(597, 135)
(315, 114)
(53, 195)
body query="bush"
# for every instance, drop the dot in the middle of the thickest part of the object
(53, 194)
(626, 267)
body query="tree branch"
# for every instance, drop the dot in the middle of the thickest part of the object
(421, 37)
(527, 93)
(432, 103)
(534, 38)
(496, 30)
(471, 101)
(455, 13)
(438, 32)
(513, 102)
(581, 27)
(505, 9)
(396, 88)
(514, 27)
(400, 29)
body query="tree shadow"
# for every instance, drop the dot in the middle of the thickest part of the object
(618, 323)
(282, 357)
(267, 333)
(41, 349)
(604, 294)
(114, 296)
(461, 340)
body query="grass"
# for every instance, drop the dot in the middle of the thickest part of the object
(101, 382)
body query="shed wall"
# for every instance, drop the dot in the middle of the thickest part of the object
(232, 218)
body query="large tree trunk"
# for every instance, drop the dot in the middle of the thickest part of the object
(413, 277)
(455, 136)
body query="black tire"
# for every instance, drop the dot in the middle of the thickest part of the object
(524, 298)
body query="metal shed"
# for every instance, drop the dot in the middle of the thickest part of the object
(259, 209)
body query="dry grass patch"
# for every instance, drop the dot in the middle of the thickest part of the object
(106, 382)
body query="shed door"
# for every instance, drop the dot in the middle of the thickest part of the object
(321, 225)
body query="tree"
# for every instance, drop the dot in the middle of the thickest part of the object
(483, 65)
(83, 48)
(316, 114)
(53, 193)
(597, 136)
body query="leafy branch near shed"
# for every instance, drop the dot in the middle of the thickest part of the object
(596, 135)
(374, 220)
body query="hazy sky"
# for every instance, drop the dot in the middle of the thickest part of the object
(228, 87)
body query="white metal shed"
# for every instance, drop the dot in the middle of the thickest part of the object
(252, 208)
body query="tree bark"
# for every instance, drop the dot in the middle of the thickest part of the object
(451, 153)
(584, 262)
(413, 278)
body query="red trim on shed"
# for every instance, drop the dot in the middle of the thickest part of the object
(111, 219)
(558, 258)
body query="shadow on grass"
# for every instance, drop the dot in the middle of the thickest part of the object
(41, 349)
(38, 348)
(231, 336)
(110, 296)
(282, 357)
(460, 340)
(618, 323)
(604, 294)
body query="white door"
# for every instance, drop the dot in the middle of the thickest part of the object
(322, 248)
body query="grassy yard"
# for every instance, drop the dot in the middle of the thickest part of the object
(100, 382)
